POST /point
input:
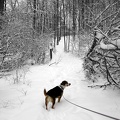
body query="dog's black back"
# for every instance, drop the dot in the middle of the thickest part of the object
(55, 92)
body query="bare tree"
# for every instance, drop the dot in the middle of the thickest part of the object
(2, 6)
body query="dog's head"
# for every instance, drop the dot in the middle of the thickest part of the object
(65, 84)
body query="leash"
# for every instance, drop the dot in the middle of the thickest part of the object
(91, 110)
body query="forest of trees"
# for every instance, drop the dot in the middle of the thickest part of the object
(28, 26)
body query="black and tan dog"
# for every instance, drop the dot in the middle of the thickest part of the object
(54, 93)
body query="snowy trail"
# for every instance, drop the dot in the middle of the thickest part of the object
(70, 69)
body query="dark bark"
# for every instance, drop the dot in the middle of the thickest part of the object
(2, 9)
(57, 22)
(34, 17)
(74, 19)
(63, 2)
(2, 6)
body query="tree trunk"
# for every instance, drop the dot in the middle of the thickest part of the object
(34, 17)
(2, 6)
(2, 9)
(74, 19)
(63, 2)
(57, 20)
(54, 24)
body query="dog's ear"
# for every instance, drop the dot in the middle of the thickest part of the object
(64, 82)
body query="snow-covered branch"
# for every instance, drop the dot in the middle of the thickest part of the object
(111, 45)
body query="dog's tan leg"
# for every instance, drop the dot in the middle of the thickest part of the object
(53, 103)
(59, 98)
(46, 102)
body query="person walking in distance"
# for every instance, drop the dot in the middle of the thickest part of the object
(51, 50)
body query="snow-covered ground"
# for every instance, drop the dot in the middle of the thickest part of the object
(26, 101)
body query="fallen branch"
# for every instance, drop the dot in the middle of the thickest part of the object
(100, 86)
(109, 75)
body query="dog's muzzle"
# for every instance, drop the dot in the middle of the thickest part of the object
(69, 84)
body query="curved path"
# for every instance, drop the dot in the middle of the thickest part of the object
(68, 67)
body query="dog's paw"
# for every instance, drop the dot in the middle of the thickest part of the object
(53, 107)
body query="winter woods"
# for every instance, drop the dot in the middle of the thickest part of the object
(28, 26)
(104, 53)
(20, 38)
(43, 42)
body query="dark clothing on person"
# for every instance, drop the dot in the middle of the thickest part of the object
(51, 50)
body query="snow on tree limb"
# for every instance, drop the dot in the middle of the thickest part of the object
(111, 45)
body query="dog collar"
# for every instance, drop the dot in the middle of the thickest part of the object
(61, 87)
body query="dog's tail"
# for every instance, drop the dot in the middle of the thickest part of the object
(45, 93)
